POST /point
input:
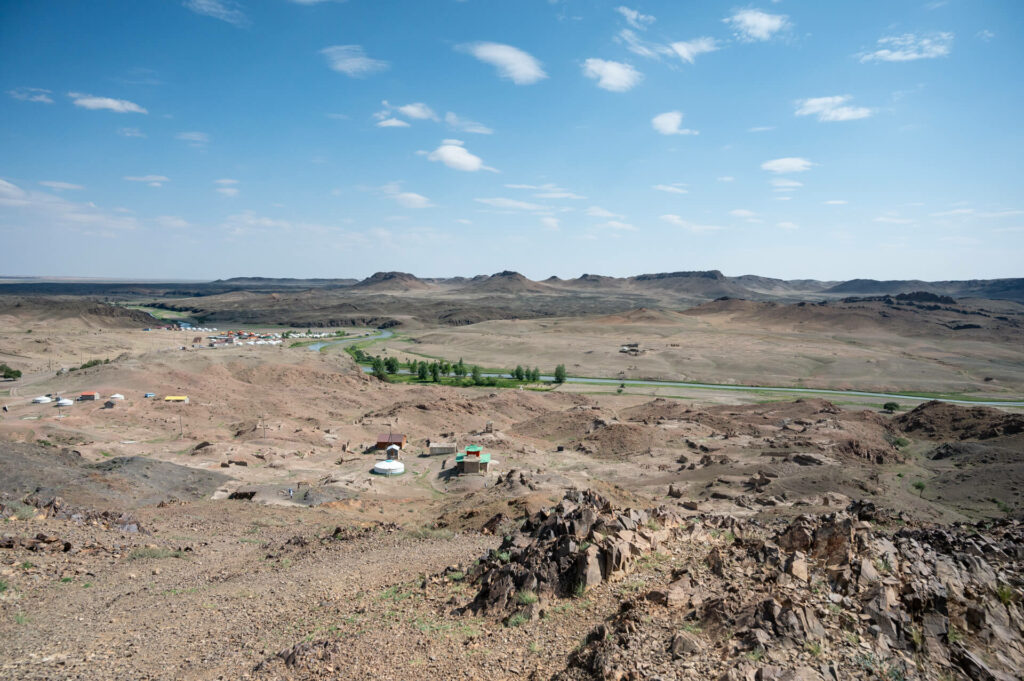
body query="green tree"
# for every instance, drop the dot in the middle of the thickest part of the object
(477, 375)
(535, 374)
(391, 364)
(412, 366)
(919, 486)
(446, 368)
(518, 373)
(422, 370)
(891, 407)
(435, 372)
(379, 370)
(8, 372)
(560, 373)
(460, 368)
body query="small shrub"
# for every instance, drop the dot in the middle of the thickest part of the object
(516, 620)
(27, 565)
(66, 580)
(756, 654)
(814, 649)
(526, 598)
(1005, 594)
(919, 486)
(430, 533)
(456, 576)
(503, 556)
(954, 635)
(21, 618)
(3, 586)
(579, 590)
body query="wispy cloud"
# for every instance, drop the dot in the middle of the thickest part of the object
(670, 123)
(227, 186)
(130, 132)
(674, 188)
(511, 204)
(550, 222)
(194, 139)
(547, 191)
(151, 180)
(352, 61)
(599, 212)
(392, 123)
(893, 220)
(407, 199)
(454, 154)
(95, 103)
(48, 211)
(790, 164)
(786, 185)
(910, 47)
(689, 50)
(753, 24)
(836, 202)
(761, 128)
(742, 213)
(31, 94)
(612, 75)
(831, 109)
(511, 63)
(225, 10)
(619, 225)
(465, 125)
(785, 224)
(634, 18)
(417, 110)
(689, 226)
(60, 186)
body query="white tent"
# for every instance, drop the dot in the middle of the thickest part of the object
(389, 467)
(117, 396)
(42, 399)
(64, 402)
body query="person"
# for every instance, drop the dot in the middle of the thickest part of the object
(290, 492)
(5, 408)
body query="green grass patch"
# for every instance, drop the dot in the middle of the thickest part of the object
(526, 598)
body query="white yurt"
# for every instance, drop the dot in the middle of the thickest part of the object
(64, 402)
(42, 399)
(117, 396)
(389, 467)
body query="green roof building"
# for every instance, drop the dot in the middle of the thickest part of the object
(473, 460)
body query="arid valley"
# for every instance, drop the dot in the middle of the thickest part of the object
(656, 522)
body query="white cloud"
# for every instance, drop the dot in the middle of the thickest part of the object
(151, 180)
(785, 185)
(612, 75)
(60, 186)
(31, 94)
(407, 199)
(392, 123)
(761, 128)
(225, 10)
(547, 191)
(753, 24)
(688, 50)
(637, 45)
(352, 61)
(466, 125)
(51, 211)
(831, 109)
(599, 212)
(787, 165)
(890, 220)
(674, 188)
(510, 204)
(787, 225)
(225, 181)
(453, 154)
(687, 225)
(836, 202)
(955, 211)
(228, 191)
(130, 132)
(670, 122)
(1001, 214)
(116, 105)
(616, 224)
(634, 18)
(550, 223)
(743, 213)
(726, 178)
(194, 139)
(910, 47)
(511, 62)
(171, 222)
(417, 110)
(985, 35)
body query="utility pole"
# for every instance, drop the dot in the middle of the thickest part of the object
(181, 430)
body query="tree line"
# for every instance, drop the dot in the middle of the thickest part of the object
(383, 367)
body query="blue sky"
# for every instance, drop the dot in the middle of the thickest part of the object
(214, 138)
